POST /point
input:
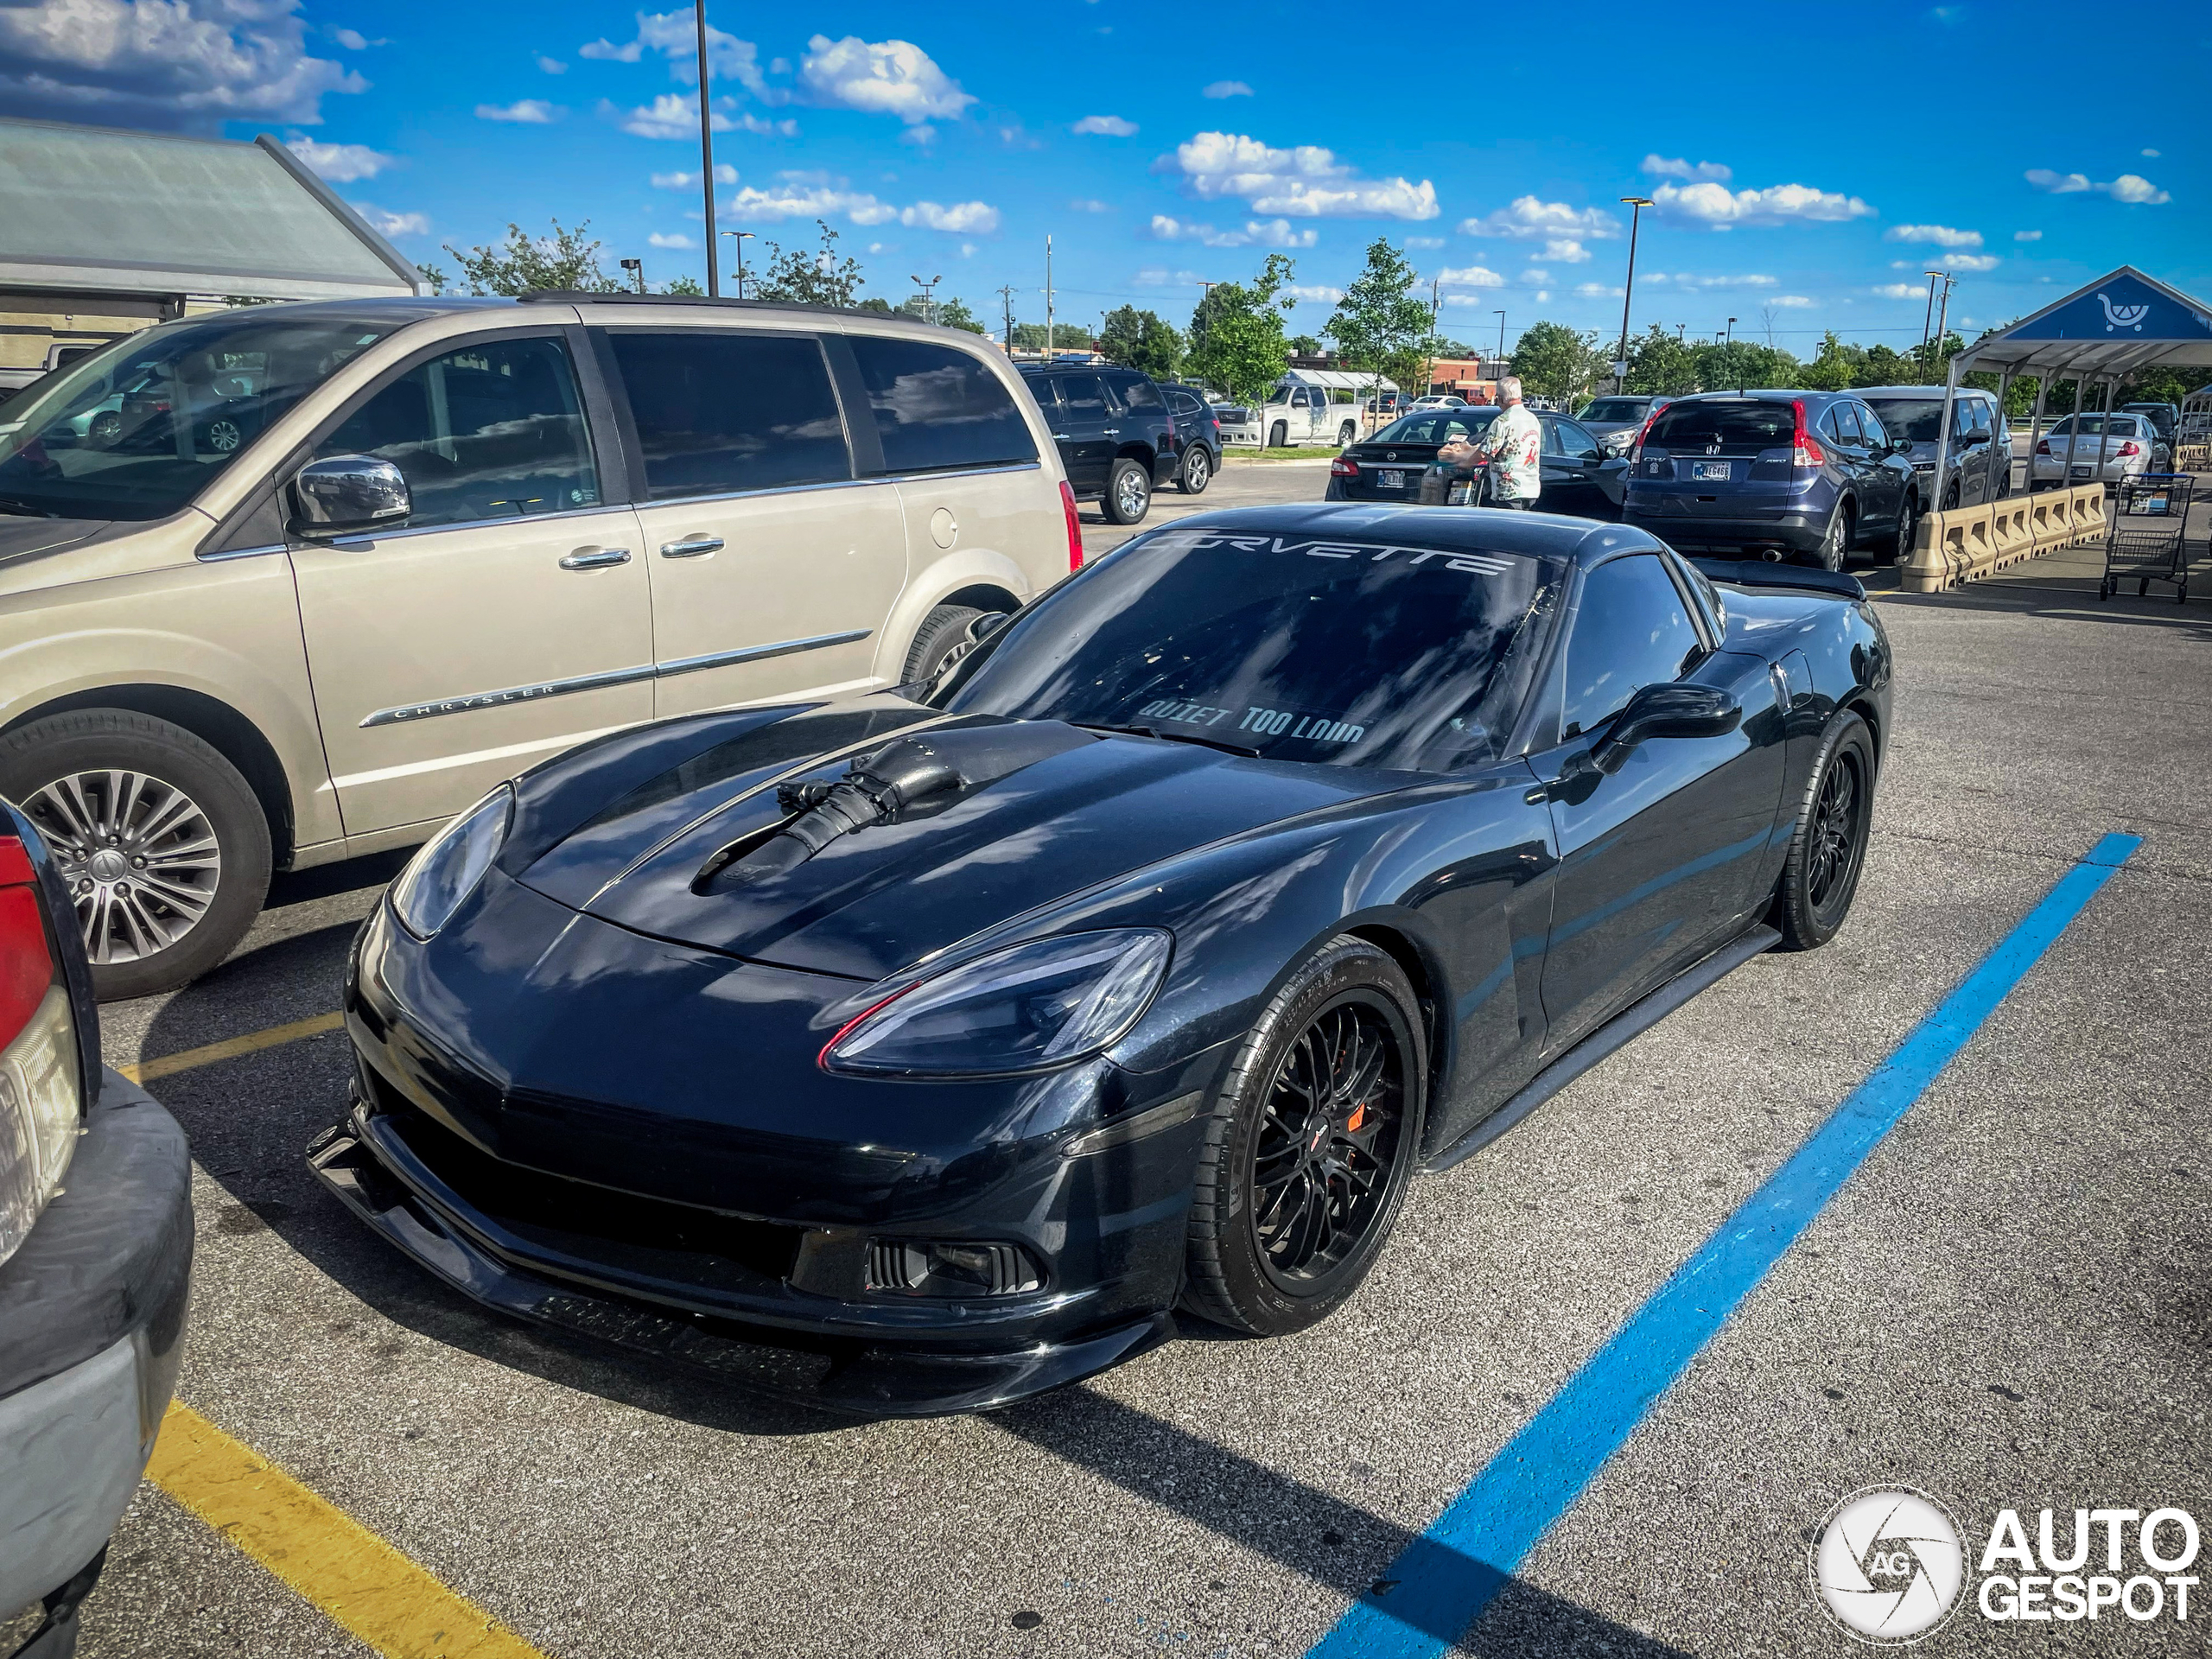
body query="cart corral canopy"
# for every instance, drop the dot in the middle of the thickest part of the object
(87, 211)
(2116, 325)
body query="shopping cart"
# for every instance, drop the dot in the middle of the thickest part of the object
(2145, 539)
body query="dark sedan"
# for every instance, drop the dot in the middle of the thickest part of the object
(915, 1056)
(1579, 477)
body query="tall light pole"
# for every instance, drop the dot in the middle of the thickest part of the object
(1636, 206)
(1500, 359)
(1927, 313)
(1943, 316)
(707, 153)
(741, 238)
(928, 294)
(637, 269)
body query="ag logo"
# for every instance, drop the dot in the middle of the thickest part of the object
(1887, 1564)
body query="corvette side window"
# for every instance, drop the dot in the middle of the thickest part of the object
(1631, 631)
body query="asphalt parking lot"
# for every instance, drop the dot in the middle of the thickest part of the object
(2006, 1305)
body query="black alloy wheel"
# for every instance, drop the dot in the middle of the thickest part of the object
(1951, 498)
(1908, 522)
(1310, 1145)
(1828, 848)
(1198, 471)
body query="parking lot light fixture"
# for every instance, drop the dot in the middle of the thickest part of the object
(741, 238)
(637, 270)
(929, 295)
(1636, 206)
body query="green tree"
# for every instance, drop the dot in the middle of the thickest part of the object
(437, 280)
(1836, 366)
(955, 314)
(1379, 325)
(1659, 363)
(796, 276)
(564, 262)
(1030, 336)
(1554, 361)
(1139, 339)
(1884, 365)
(1305, 345)
(1237, 342)
(1745, 365)
(685, 285)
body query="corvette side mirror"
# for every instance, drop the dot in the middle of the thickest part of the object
(1667, 711)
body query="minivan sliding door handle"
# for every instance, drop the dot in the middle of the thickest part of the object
(594, 558)
(696, 547)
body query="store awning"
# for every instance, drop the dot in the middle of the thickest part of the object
(2116, 325)
(89, 210)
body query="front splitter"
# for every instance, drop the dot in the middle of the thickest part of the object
(858, 1378)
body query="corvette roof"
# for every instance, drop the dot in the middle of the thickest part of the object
(1486, 530)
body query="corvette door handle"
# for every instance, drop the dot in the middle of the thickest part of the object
(696, 547)
(594, 558)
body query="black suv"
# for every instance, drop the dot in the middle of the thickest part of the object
(1116, 438)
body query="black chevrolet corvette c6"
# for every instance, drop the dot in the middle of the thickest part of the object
(910, 1055)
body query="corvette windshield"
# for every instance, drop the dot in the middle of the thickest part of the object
(1351, 652)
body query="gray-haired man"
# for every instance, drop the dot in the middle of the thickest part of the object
(1511, 447)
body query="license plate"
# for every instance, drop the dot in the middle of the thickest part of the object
(1702, 470)
(2082, 471)
(1391, 480)
(1462, 492)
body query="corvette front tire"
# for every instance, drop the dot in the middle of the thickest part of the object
(1828, 848)
(1310, 1146)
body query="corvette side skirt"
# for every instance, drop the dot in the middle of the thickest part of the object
(1629, 1023)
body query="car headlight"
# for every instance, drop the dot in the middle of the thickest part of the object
(42, 1098)
(1025, 1009)
(446, 871)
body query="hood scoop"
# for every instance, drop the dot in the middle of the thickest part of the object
(908, 778)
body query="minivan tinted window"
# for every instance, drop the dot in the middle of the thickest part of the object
(139, 428)
(1750, 426)
(937, 407)
(719, 412)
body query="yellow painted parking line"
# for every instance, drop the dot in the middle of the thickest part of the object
(231, 1047)
(346, 1570)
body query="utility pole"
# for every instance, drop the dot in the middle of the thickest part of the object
(1944, 316)
(1048, 298)
(707, 155)
(929, 295)
(1636, 206)
(1501, 345)
(1927, 313)
(1005, 295)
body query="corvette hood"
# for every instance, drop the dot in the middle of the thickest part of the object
(1077, 809)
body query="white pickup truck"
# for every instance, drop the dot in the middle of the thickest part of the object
(1305, 406)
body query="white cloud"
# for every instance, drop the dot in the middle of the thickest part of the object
(340, 163)
(967, 250)
(607, 52)
(353, 41)
(2130, 188)
(1256, 233)
(1469, 276)
(675, 37)
(676, 115)
(2057, 184)
(390, 224)
(1565, 250)
(551, 65)
(174, 65)
(1597, 291)
(1719, 208)
(527, 112)
(1898, 291)
(1319, 291)
(1795, 302)
(1227, 89)
(2152, 154)
(962, 218)
(924, 134)
(1470, 300)
(1089, 205)
(882, 78)
(1534, 276)
(1703, 173)
(1110, 126)
(1424, 241)
(1941, 236)
(1531, 217)
(724, 174)
(676, 239)
(2027, 235)
(1305, 183)
(1159, 277)
(2133, 188)
(1969, 262)
(795, 199)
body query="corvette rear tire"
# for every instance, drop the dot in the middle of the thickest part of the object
(1310, 1146)
(1828, 848)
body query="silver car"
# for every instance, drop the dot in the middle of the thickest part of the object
(2101, 449)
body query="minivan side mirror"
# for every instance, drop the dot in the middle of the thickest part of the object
(345, 495)
(1667, 710)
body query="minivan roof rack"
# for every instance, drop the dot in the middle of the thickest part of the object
(579, 296)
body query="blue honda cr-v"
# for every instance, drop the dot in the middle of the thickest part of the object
(1811, 474)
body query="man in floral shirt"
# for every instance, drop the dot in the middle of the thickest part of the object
(1511, 448)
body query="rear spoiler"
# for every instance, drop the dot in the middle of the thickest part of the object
(1765, 572)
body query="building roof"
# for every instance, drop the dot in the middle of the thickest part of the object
(2123, 321)
(87, 209)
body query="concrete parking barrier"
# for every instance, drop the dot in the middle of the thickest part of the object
(1952, 549)
(2193, 457)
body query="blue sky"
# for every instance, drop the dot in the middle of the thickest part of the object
(1809, 163)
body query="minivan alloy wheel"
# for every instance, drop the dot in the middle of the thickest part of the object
(139, 857)
(223, 436)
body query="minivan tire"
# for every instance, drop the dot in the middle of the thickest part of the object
(1128, 492)
(169, 765)
(938, 642)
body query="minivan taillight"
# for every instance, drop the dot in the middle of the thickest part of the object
(1806, 450)
(1075, 526)
(40, 1103)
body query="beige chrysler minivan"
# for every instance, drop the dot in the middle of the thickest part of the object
(286, 584)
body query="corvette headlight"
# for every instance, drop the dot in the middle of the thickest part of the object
(446, 871)
(1025, 1008)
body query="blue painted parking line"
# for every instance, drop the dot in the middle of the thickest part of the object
(1440, 1584)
